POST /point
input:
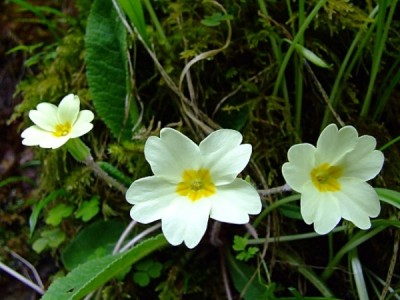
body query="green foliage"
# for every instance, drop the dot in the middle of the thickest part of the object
(389, 196)
(94, 241)
(107, 66)
(215, 19)
(134, 10)
(145, 271)
(257, 85)
(240, 245)
(49, 239)
(88, 209)
(40, 205)
(94, 273)
(56, 214)
(115, 173)
(246, 281)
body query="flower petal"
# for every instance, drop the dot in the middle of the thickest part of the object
(220, 139)
(150, 202)
(363, 162)
(82, 124)
(233, 202)
(68, 109)
(186, 221)
(45, 116)
(332, 144)
(226, 164)
(224, 156)
(149, 189)
(322, 209)
(301, 161)
(358, 202)
(35, 136)
(171, 154)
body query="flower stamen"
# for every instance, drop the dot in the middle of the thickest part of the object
(62, 129)
(325, 177)
(196, 184)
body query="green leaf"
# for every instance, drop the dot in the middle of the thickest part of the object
(115, 173)
(134, 10)
(94, 241)
(246, 281)
(58, 213)
(141, 278)
(247, 254)
(239, 243)
(155, 269)
(310, 56)
(389, 196)
(91, 275)
(107, 69)
(49, 238)
(215, 19)
(38, 208)
(88, 209)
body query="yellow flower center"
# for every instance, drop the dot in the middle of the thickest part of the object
(196, 184)
(62, 129)
(325, 177)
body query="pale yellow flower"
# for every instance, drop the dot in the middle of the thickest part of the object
(55, 125)
(193, 183)
(331, 178)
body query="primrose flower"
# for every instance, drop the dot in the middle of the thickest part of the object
(54, 126)
(192, 183)
(332, 178)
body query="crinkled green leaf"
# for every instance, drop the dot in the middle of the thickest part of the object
(94, 241)
(92, 274)
(107, 69)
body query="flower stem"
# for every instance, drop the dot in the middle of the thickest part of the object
(140, 236)
(21, 278)
(103, 175)
(123, 236)
(293, 237)
(275, 190)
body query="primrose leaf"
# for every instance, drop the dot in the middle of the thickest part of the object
(93, 241)
(107, 69)
(89, 276)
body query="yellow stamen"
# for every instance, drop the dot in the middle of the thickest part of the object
(325, 177)
(62, 129)
(196, 184)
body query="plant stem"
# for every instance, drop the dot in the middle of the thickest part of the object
(295, 41)
(21, 278)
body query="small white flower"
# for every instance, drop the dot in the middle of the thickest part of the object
(332, 178)
(192, 183)
(54, 126)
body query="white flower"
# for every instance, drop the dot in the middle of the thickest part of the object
(54, 126)
(192, 183)
(332, 178)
